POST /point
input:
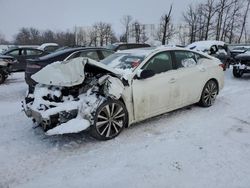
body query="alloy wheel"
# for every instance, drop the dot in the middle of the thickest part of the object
(209, 94)
(110, 119)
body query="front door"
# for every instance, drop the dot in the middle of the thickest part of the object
(159, 93)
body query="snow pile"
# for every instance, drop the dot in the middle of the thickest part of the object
(189, 148)
(72, 126)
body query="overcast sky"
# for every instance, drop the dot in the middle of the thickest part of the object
(65, 14)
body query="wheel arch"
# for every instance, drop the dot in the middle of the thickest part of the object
(122, 101)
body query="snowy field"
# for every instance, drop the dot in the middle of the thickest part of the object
(192, 147)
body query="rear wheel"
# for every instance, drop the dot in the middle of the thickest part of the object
(209, 94)
(110, 119)
(237, 72)
(3, 76)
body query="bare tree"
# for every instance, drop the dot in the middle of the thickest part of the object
(126, 22)
(209, 12)
(48, 36)
(136, 31)
(217, 19)
(35, 36)
(234, 19)
(190, 17)
(102, 33)
(166, 28)
(23, 36)
(3, 40)
(183, 34)
(65, 38)
(244, 20)
(143, 34)
(93, 36)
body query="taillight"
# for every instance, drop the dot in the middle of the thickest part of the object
(223, 66)
(34, 66)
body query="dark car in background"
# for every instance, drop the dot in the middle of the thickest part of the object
(242, 64)
(126, 46)
(238, 50)
(21, 55)
(5, 67)
(34, 65)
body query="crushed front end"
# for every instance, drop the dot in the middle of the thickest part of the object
(70, 109)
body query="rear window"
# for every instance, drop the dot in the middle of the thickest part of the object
(57, 54)
(111, 46)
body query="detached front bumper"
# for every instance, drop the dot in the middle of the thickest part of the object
(51, 121)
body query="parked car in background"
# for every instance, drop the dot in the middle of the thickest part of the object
(238, 50)
(126, 46)
(242, 64)
(5, 67)
(218, 49)
(49, 47)
(37, 64)
(21, 55)
(126, 87)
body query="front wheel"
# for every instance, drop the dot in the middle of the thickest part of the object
(209, 94)
(237, 72)
(3, 76)
(110, 119)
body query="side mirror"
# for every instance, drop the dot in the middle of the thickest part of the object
(143, 74)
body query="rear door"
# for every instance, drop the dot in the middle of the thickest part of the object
(19, 54)
(191, 75)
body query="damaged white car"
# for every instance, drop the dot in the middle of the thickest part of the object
(127, 87)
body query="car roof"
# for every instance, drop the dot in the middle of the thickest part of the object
(149, 50)
(71, 50)
(205, 44)
(20, 48)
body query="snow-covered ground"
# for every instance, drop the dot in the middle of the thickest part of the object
(191, 147)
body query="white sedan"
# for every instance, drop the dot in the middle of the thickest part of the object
(125, 88)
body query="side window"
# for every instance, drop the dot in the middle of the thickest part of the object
(14, 52)
(33, 52)
(74, 55)
(106, 53)
(122, 47)
(51, 48)
(161, 62)
(185, 59)
(132, 46)
(90, 54)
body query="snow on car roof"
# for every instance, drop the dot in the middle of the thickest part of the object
(148, 50)
(46, 44)
(202, 45)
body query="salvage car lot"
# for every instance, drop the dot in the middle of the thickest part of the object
(191, 147)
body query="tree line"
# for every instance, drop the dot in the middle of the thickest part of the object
(224, 20)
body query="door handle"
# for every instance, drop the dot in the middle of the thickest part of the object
(172, 80)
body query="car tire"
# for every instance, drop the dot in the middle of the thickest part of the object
(209, 94)
(3, 76)
(109, 120)
(237, 73)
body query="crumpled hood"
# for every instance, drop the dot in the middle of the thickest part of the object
(69, 73)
